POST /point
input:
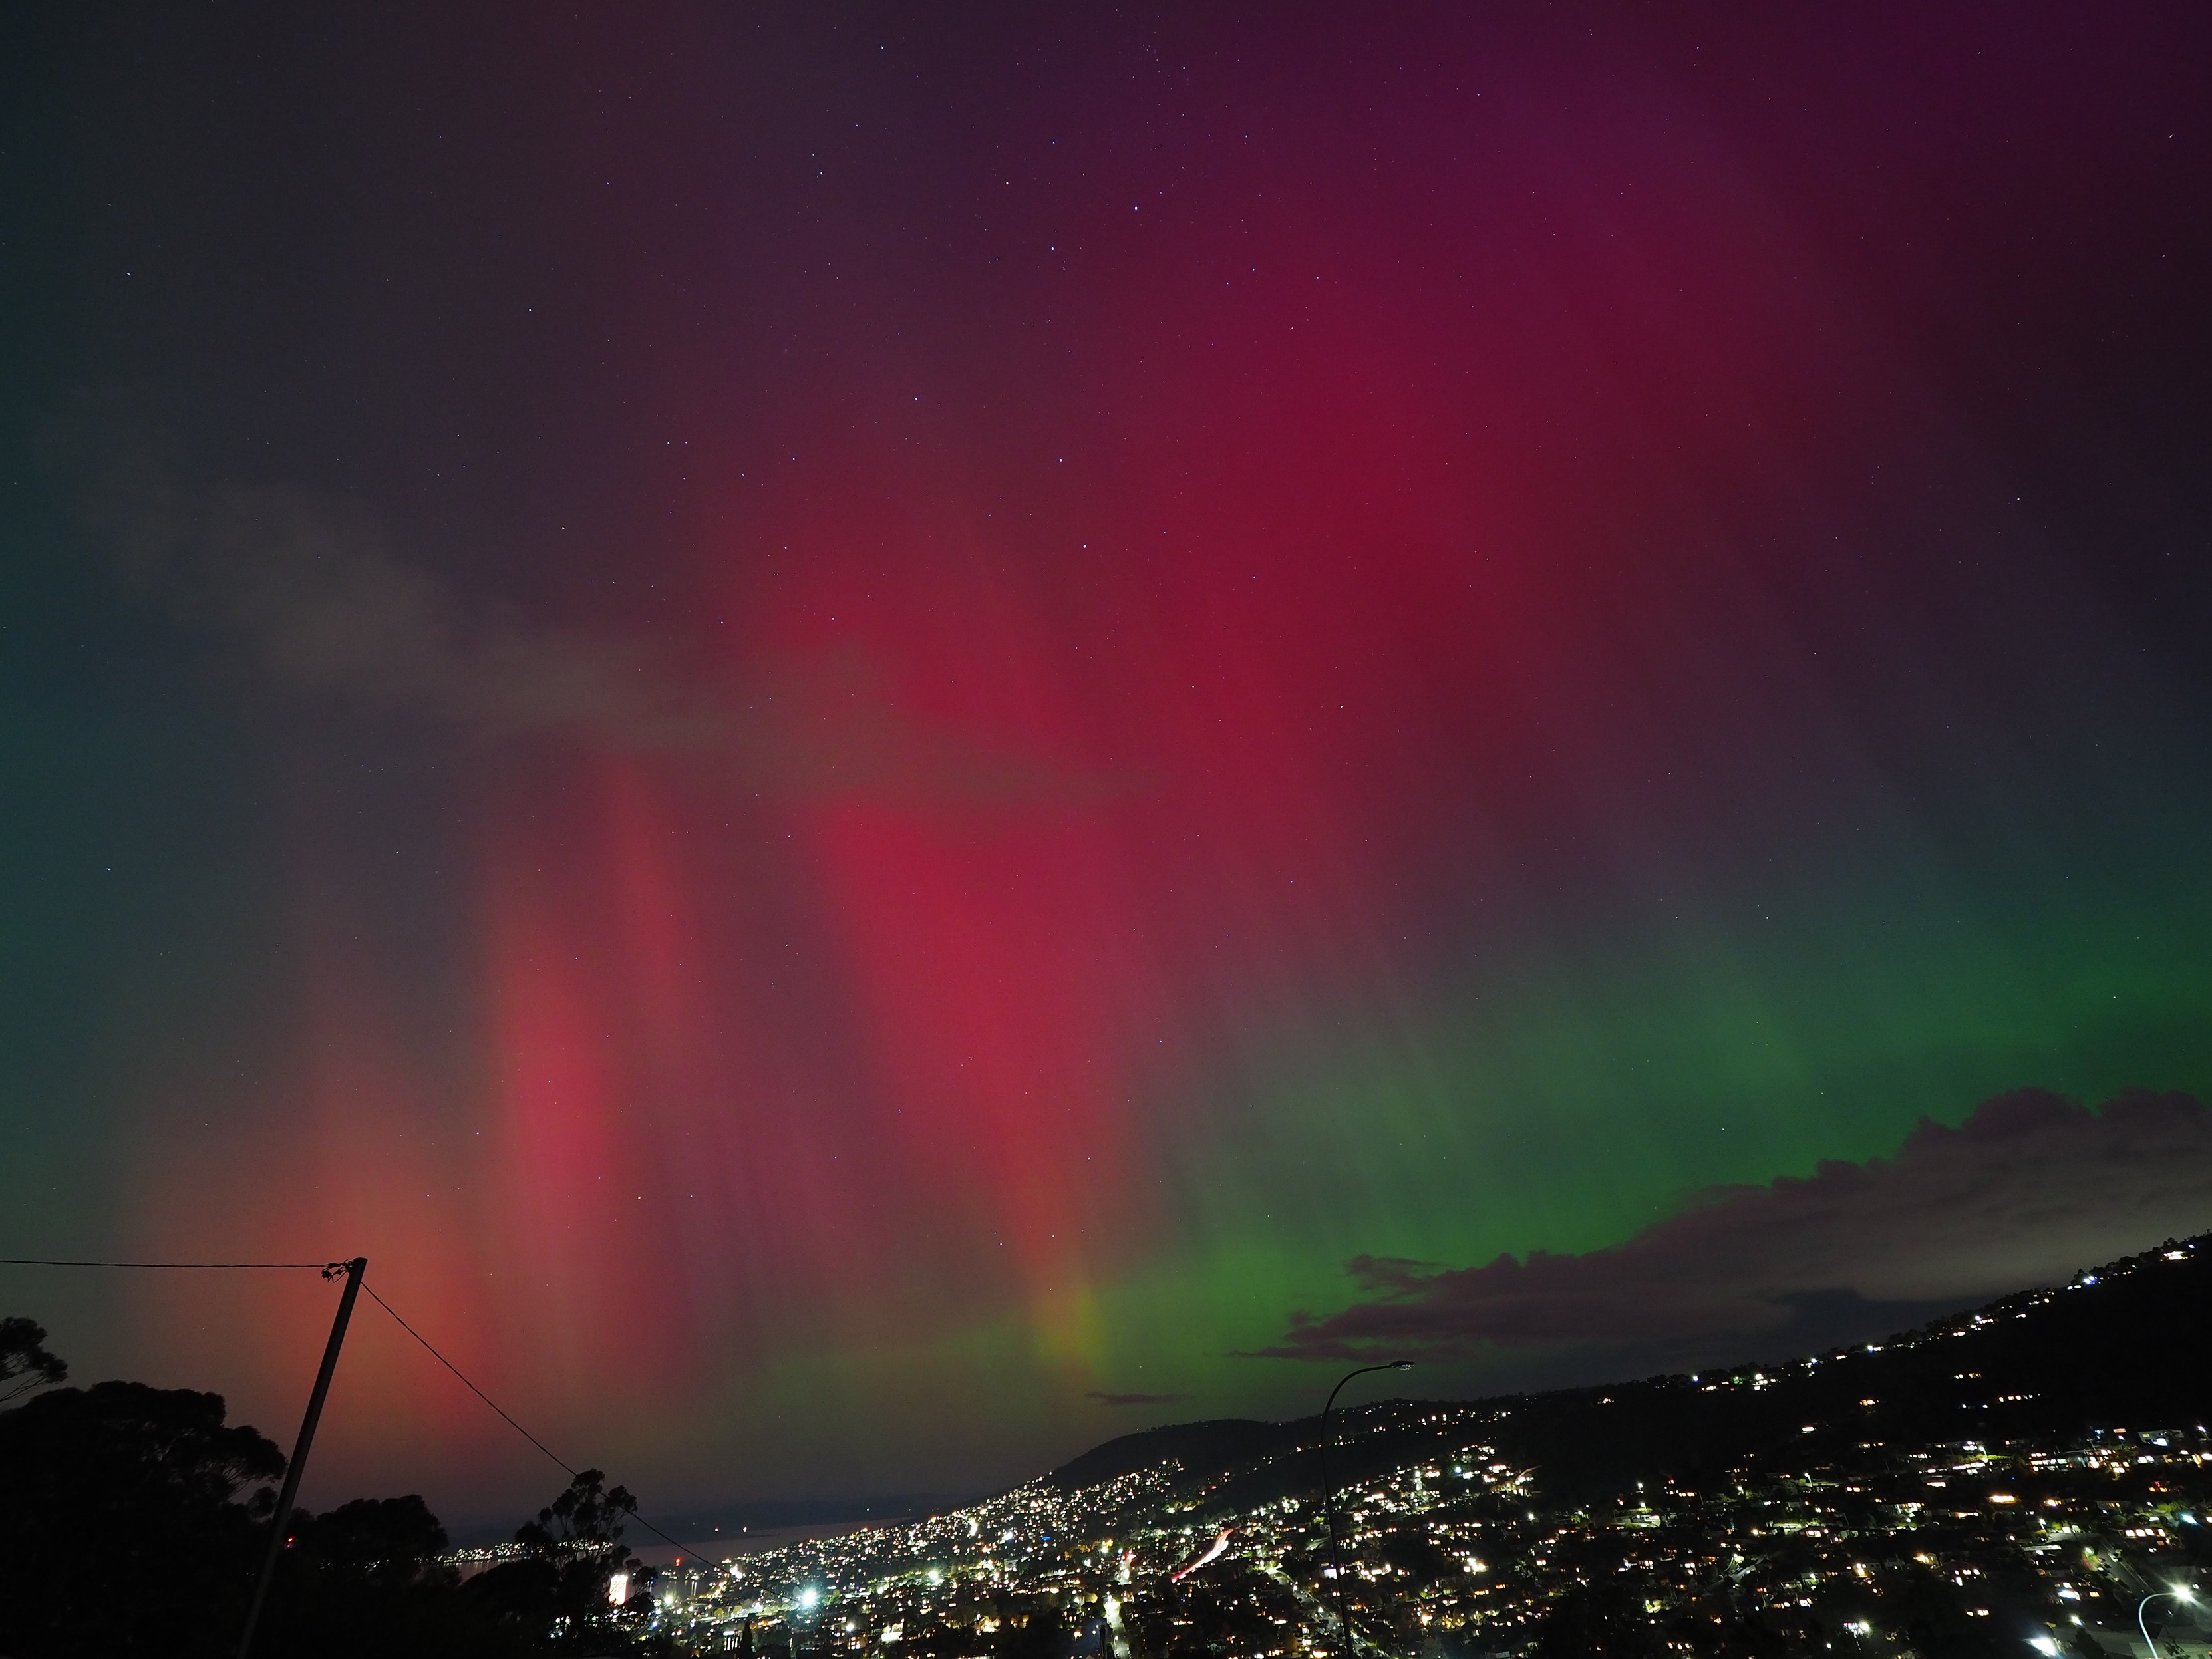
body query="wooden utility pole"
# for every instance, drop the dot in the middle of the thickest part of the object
(354, 1270)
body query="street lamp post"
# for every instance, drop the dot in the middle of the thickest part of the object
(2176, 1594)
(1328, 1495)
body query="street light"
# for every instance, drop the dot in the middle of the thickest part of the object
(1329, 1494)
(2176, 1594)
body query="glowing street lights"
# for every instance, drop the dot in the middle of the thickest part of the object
(2178, 1593)
(1329, 1494)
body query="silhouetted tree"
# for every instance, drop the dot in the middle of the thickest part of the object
(558, 1590)
(394, 1540)
(137, 1518)
(365, 1581)
(24, 1361)
(586, 1518)
(125, 1534)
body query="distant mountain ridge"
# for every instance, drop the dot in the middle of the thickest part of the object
(2128, 1344)
(1215, 1444)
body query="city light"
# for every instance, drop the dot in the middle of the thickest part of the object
(1462, 1539)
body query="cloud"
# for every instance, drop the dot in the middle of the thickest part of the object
(1134, 1399)
(321, 597)
(2029, 1188)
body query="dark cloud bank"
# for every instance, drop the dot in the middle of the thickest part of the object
(2031, 1188)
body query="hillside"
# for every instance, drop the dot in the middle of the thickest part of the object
(2128, 1344)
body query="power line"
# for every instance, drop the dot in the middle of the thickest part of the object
(434, 1353)
(466, 1383)
(36, 1262)
(326, 1269)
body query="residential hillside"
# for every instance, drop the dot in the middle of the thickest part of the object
(2126, 1344)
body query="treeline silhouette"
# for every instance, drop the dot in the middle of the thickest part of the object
(135, 1518)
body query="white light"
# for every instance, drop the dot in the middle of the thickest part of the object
(2043, 1644)
(618, 1589)
(809, 1596)
(2185, 1593)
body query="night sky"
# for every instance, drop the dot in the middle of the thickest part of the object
(886, 739)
